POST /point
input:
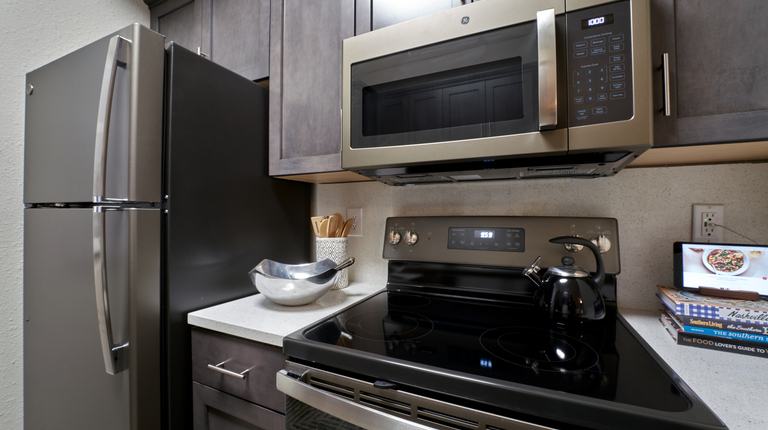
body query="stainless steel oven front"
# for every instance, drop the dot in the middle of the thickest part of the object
(500, 79)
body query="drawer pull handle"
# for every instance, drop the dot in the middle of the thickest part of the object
(219, 368)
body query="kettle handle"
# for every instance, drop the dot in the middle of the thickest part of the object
(599, 278)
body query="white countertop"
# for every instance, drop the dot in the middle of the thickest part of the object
(257, 318)
(734, 386)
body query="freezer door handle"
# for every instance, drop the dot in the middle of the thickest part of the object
(117, 56)
(114, 355)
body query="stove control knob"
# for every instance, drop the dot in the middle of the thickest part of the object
(573, 247)
(411, 238)
(394, 237)
(602, 243)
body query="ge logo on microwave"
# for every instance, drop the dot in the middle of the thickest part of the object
(465, 20)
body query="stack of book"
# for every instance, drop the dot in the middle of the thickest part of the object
(739, 326)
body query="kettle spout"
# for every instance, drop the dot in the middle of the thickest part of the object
(532, 272)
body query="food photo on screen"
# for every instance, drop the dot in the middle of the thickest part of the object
(729, 267)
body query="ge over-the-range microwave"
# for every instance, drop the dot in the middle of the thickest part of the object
(500, 89)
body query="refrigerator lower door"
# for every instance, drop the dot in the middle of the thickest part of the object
(66, 384)
(93, 122)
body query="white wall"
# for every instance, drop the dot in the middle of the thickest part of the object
(652, 206)
(33, 33)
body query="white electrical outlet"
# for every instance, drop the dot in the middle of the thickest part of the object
(705, 223)
(356, 215)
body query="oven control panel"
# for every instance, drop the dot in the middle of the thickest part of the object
(507, 241)
(600, 65)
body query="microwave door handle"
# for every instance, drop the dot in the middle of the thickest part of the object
(114, 355)
(667, 110)
(117, 56)
(545, 31)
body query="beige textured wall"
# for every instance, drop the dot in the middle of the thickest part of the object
(33, 33)
(652, 206)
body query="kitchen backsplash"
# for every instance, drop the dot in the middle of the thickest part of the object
(652, 206)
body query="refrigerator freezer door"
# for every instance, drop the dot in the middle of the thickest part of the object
(64, 104)
(66, 384)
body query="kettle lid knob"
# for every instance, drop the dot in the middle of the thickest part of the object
(567, 261)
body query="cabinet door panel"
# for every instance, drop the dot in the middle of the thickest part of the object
(718, 84)
(179, 21)
(237, 35)
(216, 410)
(305, 84)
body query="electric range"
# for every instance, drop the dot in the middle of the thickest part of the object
(454, 342)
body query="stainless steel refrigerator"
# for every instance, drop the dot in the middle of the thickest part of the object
(146, 197)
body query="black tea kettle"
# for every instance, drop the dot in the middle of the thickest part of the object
(569, 293)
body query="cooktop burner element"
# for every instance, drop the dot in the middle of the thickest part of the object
(539, 349)
(457, 325)
(392, 326)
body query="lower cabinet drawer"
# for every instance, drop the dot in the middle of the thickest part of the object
(256, 363)
(216, 410)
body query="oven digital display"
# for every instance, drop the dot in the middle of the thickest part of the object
(597, 21)
(487, 239)
(484, 234)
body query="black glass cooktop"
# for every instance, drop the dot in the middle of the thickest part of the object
(497, 353)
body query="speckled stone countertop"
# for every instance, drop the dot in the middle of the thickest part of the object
(259, 319)
(734, 386)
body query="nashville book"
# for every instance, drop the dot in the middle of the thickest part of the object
(692, 304)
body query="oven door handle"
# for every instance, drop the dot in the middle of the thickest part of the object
(343, 409)
(547, 44)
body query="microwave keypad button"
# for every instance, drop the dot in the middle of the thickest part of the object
(601, 87)
(617, 86)
(580, 45)
(598, 50)
(602, 97)
(580, 54)
(616, 95)
(617, 67)
(581, 113)
(590, 99)
(602, 79)
(616, 38)
(578, 100)
(600, 110)
(618, 58)
(616, 47)
(618, 77)
(598, 42)
(590, 89)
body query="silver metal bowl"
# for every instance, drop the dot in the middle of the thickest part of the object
(296, 284)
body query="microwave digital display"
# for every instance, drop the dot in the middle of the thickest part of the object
(597, 21)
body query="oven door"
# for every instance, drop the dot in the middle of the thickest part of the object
(474, 82)
(319, 399)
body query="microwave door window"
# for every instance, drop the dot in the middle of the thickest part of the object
(477, 86)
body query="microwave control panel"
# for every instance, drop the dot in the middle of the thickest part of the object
(600, 64)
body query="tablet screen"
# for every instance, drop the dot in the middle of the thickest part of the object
(722, 266)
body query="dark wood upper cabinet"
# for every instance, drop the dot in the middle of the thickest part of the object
(718, 71)
(233, 33)
(305, 84)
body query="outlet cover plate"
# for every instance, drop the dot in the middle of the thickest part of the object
(357, 224)
(701, 216)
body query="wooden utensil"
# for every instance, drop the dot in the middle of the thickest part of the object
(347, 228)
(335, 225)
(316, 220)
(323, 228)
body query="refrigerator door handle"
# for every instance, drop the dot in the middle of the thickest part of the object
(114, 355)
(117, 56)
